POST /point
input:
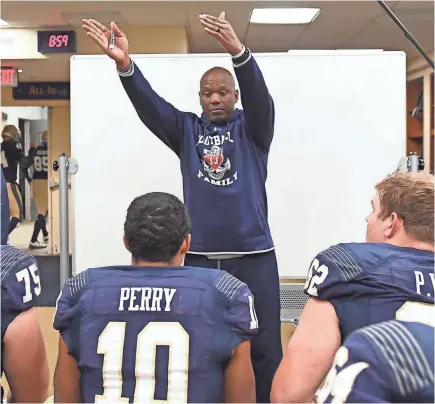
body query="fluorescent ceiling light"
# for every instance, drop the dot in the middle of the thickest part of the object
(284, 15)
(3, 23)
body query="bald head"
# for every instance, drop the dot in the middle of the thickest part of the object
(218, 94)
(216, 72)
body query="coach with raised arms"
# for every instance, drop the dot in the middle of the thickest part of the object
(224, 156)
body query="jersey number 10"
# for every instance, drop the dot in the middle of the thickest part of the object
(111, 345)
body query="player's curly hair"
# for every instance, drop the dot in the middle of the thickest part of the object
(155, 227)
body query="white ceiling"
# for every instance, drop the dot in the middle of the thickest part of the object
(341, 24)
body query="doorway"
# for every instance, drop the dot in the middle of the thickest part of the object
(32, 181)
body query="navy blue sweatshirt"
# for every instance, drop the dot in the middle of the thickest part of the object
(224, 168)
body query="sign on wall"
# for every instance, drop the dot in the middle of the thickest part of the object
(42, 91)
(9, 76)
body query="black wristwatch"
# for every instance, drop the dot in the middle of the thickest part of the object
(241, 58)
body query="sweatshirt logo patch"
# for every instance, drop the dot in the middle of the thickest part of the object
(214, 163)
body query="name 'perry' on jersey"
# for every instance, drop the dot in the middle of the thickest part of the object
(372, 282)
(389, 362)
(20, 286)
(170, 331)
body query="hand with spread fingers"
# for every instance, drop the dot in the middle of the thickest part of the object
(222, 30)
(101, 35)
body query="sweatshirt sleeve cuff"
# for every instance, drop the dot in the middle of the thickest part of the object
(241, 59)
(127, 73)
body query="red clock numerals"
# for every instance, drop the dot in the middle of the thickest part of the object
(58, 41)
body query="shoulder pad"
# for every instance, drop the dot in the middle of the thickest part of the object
(336, 264)
(342, 259)
(228, 285)
(11, 257)
(402, 354)
(78, 282)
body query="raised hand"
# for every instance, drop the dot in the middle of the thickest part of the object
(222, 30)
(101, 35)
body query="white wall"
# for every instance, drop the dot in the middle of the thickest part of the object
(15, 113)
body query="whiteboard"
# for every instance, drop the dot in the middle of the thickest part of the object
(340, 128)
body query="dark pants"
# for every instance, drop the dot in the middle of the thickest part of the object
(260, 273)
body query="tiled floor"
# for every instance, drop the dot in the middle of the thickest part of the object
(21, 236)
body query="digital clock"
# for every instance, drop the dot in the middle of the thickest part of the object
(56, 41)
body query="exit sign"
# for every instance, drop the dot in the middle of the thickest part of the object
(9, 76)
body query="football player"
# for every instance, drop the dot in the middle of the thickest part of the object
(12, 156)
(353, 285)
(4, 210)
(39, 160)
(155, 330)
(388, 362)
(23, 358)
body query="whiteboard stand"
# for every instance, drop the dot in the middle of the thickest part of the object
(65, 166)
(415, 162)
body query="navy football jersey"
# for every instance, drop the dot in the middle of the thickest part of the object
(368, 283)
(389, 362)
(11, 155)
(40, 162)
(141, 334)
(20, 285)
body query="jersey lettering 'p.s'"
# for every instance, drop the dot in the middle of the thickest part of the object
(40, 162)
(20, 285)
(142, 334)
(388, 362)
(371, 282)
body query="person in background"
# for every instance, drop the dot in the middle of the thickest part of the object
(5, 215)
(38, 157)
(11, 157)
(223, 156)
(155, 330)
(23, 356)
(353, 285)
(389, 362)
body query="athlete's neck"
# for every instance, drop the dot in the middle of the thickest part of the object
(411, 243)
(143, 263)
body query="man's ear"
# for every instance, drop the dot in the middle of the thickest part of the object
(393, 224)
(236, 96)
(125, 242)
(185, 246)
